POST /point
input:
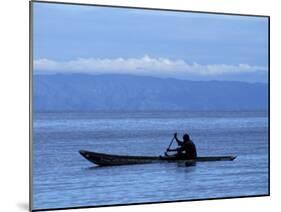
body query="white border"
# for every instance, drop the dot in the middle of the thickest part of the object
(14, 88)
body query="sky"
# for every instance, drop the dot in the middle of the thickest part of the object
(182, 45)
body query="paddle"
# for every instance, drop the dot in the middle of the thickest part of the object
(170, 144)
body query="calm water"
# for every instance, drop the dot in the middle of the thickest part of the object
(62, 178)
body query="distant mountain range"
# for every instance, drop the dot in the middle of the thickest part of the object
(82, 92)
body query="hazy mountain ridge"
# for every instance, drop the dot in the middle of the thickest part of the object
(82, 92)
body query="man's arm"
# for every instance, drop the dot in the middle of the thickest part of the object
(173, 150)
(180, 143)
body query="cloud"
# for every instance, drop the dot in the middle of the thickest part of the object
(146, 65)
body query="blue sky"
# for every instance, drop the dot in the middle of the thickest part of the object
(97, 40)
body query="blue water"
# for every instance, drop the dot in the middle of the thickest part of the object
(62, 178)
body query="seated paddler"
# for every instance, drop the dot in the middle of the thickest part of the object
(186, 148)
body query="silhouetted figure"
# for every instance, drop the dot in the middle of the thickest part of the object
(186, 149)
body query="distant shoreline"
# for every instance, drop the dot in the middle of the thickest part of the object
(157, 111)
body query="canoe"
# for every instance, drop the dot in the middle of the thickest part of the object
(102, 159)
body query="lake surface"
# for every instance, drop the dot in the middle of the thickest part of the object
(62, 178)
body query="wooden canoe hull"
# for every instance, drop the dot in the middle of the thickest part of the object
(102, 159)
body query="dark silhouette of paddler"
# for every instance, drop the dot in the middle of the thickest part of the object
(186, 148)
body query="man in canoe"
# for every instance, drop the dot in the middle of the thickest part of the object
(186, 149)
